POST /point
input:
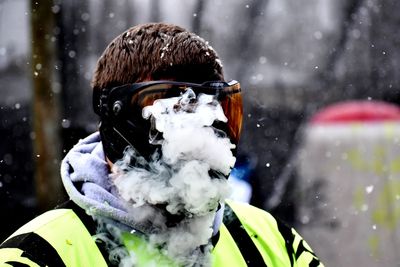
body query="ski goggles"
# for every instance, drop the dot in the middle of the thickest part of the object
(127, 101)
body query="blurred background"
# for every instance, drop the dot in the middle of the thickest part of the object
(336, 178)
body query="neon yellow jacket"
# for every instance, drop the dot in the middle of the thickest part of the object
(248, 237)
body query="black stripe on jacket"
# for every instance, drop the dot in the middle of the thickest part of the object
(35, 248)
(242, 239)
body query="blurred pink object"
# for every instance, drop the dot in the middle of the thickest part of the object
(357, 111)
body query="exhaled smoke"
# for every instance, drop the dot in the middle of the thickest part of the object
(175, 191)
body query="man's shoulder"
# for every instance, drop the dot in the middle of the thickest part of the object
(55, 238)
(247, 212)
(30, 243)
(57, 221)
(43, 221)
(278, 243)
(256, 234)
(258, 223)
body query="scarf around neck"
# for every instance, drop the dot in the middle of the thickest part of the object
(85, 175)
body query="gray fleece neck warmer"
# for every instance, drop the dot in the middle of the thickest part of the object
(85, 175)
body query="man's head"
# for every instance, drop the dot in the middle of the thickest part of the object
(167, 112)
(156, 51)
(150, 52)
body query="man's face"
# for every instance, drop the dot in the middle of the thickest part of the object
(178, 190)
(123, 125)
(186, 174)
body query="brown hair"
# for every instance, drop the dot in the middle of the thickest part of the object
(156, 51)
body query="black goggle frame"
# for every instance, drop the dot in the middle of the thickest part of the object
(120, 111)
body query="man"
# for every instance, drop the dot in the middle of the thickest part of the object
(149, 189)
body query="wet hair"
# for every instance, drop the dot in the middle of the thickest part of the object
(156, 51)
